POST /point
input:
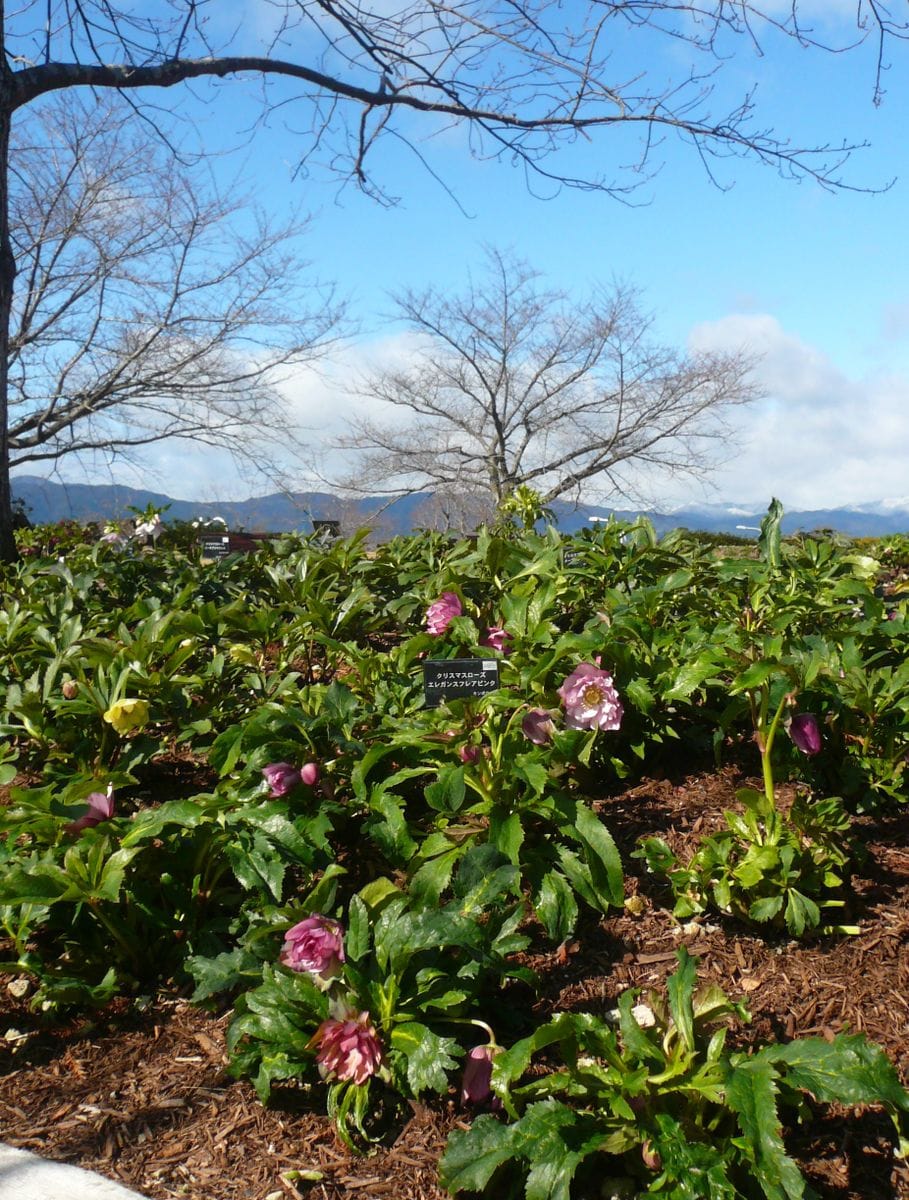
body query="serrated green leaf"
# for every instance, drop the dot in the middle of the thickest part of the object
(555, 905)
(427, 1054)
(356, 940)
(187, 813)
(446, 794)
(691, 675)
(752, 678)
(473, 1155)
(751, 1092)
(848, 1070)
(602, 856)
(636, 1041)
(766, 909)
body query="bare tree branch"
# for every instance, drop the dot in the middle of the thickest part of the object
(147, 309)
(513, 384)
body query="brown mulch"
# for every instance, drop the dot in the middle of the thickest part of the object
(142, 1096)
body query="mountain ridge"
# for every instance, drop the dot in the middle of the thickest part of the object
(48, 501)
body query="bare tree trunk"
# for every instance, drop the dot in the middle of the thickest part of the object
(8, 551)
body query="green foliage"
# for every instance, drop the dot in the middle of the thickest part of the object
(767, 866)
(435, 834)
(658, 1103)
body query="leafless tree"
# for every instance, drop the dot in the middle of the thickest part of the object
(524, 77)
(512, 384)
(455, 511)
(147, 308)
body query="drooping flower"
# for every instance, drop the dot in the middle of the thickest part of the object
(150, 527)
(590, 699)
(281, 778)
(100, 808)
(309, 773)
(347, 1048)
(315, 945)
(442, 612)
(469, 753)
(477, 1078)
(538, 726)
(806, 733)
(125, 715)
(113, 537)
(496, 637)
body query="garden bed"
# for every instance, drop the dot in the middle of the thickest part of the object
(139, 1092)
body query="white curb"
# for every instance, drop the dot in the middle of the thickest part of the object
(25, 1176)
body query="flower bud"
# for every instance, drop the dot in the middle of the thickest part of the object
(806, 733)
(538, 726)
(476, 1081)
(309, 774)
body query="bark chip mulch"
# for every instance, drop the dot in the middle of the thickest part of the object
(141, 1094)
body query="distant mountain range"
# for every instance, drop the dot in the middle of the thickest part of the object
(47, 501)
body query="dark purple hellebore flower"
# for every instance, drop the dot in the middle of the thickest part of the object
(100, 808)
(475, 1083)
(806, 733)
(538, 726)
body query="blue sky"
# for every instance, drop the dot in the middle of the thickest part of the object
(815, 282)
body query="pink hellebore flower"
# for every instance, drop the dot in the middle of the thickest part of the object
(281, 778)
(538, 726)
(100, 808)
(496, 637)
(591, 701)
(315, 945)
(347, 1049)
(440, 614)
(476, 1081)
(806, 733)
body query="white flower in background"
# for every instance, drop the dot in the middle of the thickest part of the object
(151, 527)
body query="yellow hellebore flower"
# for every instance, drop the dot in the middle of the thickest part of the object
(242, 654)
(127, 714)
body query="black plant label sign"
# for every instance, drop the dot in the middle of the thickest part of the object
(215, 546)
(449, 678)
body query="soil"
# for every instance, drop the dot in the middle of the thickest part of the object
(140, 1093)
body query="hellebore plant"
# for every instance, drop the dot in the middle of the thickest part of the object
(590, 699)
(347, 1049)
(496, 638)
(660, 1107)
(100, 808)
(282, 778)
(442, 612)
(315, 945)
(768, 866)
(126, 715)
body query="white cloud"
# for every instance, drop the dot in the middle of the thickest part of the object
(820, 438)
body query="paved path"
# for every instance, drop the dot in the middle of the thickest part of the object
(24, 1176)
